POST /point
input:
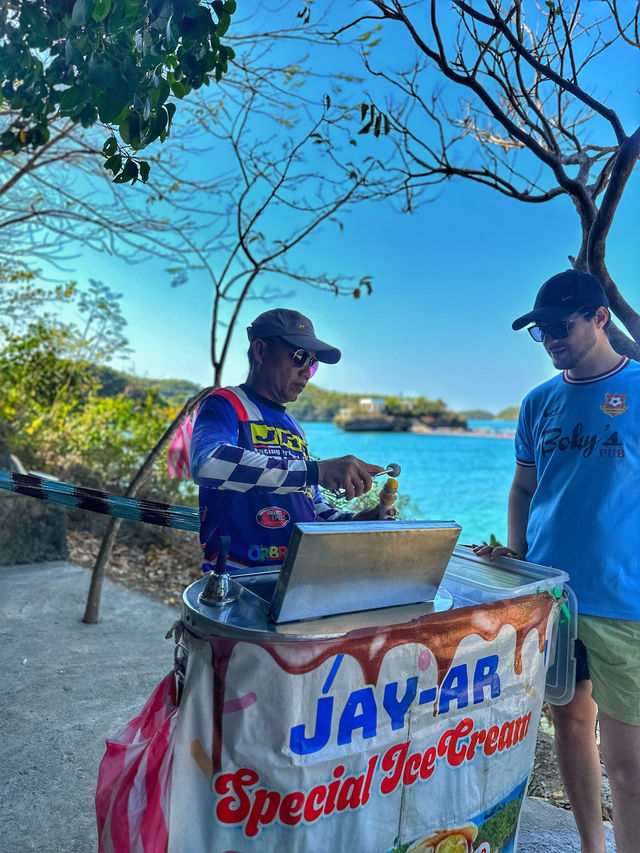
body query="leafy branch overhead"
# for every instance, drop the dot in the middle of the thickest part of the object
(116, 62)
(373, 120)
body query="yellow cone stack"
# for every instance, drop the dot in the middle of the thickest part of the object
(387, 496)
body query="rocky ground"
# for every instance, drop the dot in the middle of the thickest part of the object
(159, 572)
(164, 572)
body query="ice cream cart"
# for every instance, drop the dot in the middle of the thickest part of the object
(380, 694)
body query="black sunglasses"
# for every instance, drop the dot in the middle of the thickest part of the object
(557, 330)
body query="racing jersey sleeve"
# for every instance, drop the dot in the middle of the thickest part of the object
(326, 512)
(219, 463)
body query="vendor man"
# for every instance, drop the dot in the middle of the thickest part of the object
(250, 458)
(574, 505)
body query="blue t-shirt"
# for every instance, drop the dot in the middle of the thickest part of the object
(583, 437)
(256, 480)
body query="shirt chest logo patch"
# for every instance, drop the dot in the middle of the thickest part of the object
(268, 437)
(614, 404)
(273, 517)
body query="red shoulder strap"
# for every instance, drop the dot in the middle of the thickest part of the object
(235, 401)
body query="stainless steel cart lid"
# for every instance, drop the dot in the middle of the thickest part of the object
(346, 566)
(246, 617)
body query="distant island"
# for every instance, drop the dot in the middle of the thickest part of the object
(509, 414)
(360, 412)
(398, 414)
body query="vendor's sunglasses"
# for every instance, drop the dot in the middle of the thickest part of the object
(557, 330)
(301, 358)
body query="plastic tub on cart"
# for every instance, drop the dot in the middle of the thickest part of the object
(472, 579)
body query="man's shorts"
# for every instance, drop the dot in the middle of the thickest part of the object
(608, 652)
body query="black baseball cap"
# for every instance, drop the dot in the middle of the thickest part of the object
(563, 295)
(295, 329)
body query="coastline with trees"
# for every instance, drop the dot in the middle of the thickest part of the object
(395, 413)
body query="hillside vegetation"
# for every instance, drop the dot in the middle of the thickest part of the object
(314, 404)
(317, 404)
(509, 414)
(113, 383)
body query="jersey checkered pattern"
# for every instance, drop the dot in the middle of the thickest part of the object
(326, 512)
(240, 470)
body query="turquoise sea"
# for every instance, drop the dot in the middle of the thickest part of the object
(463, 478)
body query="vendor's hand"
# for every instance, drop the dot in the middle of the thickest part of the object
(348, 473)
(372, 513)
(494, 553)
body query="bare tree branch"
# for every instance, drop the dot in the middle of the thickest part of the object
(527, 127)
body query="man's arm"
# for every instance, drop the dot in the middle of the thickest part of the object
(217, 461)
(523, 487)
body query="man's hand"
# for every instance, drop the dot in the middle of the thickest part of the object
(372, 513)
(494, 553)
(348, 473)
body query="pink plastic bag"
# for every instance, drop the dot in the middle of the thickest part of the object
(134, 779)
(178, 464)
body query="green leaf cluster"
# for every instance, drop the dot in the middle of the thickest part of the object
(111, 61)
(405, 508)
(54, 412)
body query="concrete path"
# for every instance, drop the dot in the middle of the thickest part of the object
(67, 685)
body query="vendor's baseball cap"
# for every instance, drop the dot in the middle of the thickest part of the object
(295, 329)
(563, 295)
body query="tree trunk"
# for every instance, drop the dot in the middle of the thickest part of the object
(141, 476)
(97, 574)
(622, 343)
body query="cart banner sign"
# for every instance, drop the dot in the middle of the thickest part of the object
(412, 738)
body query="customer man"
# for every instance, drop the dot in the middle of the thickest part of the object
(249, 456)
(574, 505)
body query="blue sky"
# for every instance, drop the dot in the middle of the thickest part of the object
(447, 282)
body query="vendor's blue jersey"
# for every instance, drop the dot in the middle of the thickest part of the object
(256, 480)
(583, 437)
